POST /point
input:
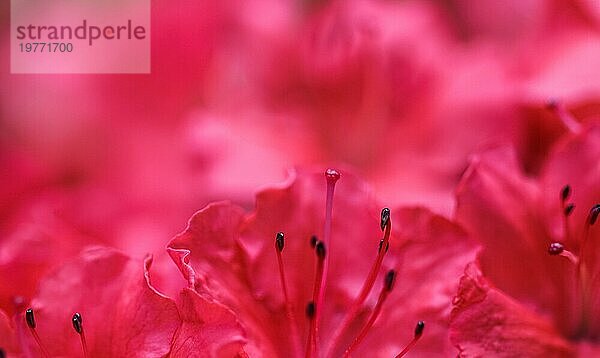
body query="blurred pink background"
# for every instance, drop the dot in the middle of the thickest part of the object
(401, 92)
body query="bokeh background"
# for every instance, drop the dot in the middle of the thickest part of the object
(400, 92)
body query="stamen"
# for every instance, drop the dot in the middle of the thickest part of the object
(78, 326)
(558, 249)
(2, 353)
(310, 310)
(418, 333)
(30, 318)
(320, 250)
(565, 117)
(77, 323)
(279, 241)
(386, 225)
(321, 253)
(313, 241)
(310, 314)
(390, 278)
(385, 218)
(279, 244)
(589, 222)
(565, 193)
(567, 208)
(593, 215)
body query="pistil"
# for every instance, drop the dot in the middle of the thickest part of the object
(332, 176)
(558, 249)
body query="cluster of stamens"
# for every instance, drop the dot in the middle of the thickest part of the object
(557, 247)
(580, 260)
(77, 321)
(313, 308)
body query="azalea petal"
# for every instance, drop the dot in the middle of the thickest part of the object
(500, 208)
(123, 315)
(485, 322)
(208, 250)
(181, 257)
(208, 329)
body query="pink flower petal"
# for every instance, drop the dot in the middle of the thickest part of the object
(123, 315)
(208, 329)
(485, 322)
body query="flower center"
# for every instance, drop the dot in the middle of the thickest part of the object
(313, 308)
(582, 260)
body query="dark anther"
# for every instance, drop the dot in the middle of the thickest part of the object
(594, 214)
(565, 193)
(556, 248)
(390, 278)
(310, 309)
(387, 247)
(2, 353)
(313, 241)
(320, 249)
(77, 322)
(279, 241)
(385, 218)
(569, 209)
(29, 318)
(419, 328)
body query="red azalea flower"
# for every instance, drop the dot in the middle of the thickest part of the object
(539, 289)
(292, 269)
(102, 304)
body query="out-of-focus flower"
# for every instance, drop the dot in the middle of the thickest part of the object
(99, 159)
(536, 290)
(402, 102)
(103, 304)
(306, 273)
